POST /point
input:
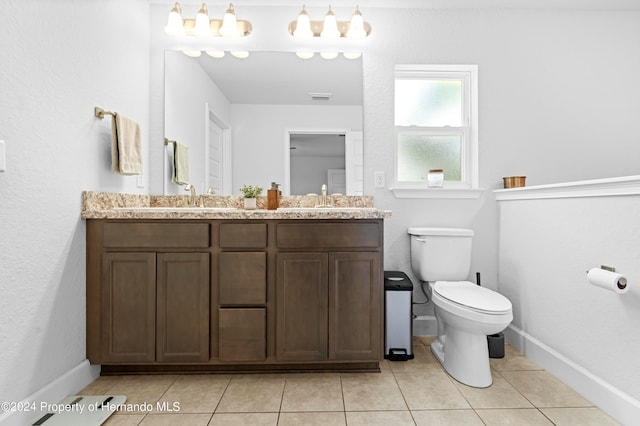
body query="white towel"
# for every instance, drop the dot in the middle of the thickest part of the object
(126, 148)
(180, 163)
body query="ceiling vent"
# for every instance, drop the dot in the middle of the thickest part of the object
(320, 96)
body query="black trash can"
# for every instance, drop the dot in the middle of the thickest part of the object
(398, 300)
(496, 345)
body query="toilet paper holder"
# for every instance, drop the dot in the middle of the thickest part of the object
(606, 268)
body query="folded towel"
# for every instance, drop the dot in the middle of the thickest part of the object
(126, 148)
(180, 164)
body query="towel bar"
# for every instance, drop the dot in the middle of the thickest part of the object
(100, 113)
(167, 141)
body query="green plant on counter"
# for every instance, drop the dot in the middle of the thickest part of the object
(250, 191)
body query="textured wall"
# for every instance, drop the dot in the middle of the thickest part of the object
(58, 60)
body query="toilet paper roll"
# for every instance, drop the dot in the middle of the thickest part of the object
(608, 280)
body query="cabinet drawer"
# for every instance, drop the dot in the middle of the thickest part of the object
(243, 235)
(329, 235)
(242, 334)
(243, 278)
(156, 235)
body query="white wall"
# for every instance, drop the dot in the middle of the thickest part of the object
(309, 173)
(59, 60)
(546, 247)
(187, 91)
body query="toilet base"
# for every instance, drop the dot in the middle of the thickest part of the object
(465, 357)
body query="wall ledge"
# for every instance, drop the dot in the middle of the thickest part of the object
(626, 185)
(424, 192)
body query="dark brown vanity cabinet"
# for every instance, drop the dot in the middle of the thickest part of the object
(148, 305)
(329, 301)
(174, 295)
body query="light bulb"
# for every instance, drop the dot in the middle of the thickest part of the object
(352, 55)
(174, 23)
(329, 55)
(192, 53)
(240, 54)
(229, 26)
(305, 55)
(216, 53)
(203, 25)
(356, 27)
(330, 26)
(303, 25)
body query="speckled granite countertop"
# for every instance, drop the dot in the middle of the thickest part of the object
(106, 205)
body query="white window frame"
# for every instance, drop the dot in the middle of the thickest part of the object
(467, 187)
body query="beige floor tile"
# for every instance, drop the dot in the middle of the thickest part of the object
(426, 340)
(124, 420)
(312, 392)
(176, 419)
(586, 416)
(446, 418)
(384, 366)
(424, 391)
(196, 393)
(544, 390)
(327, 418)
(513, 360)
(366, 418)
(252, 393)
(513, 416)
(142, 391)
(371, 391)
(423, 362)
(253, 419)
(100, 386)
(501, 394)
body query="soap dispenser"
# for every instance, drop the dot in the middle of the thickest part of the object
(273, 197)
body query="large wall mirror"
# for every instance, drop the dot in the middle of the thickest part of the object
(270, 117)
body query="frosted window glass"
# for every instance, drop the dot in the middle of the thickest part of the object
(417, 154)
(428, 103)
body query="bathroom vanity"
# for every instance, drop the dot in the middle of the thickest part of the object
(234, 290)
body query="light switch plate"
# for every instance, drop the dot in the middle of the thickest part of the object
(379, 180)
(140, 181)
(3, 157)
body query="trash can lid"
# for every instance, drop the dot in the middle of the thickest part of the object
(397, 281)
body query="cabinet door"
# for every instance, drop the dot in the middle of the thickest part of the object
(183, 307)
(243, 335)
(355, 306)
(243, 278)
(128, 307)
(302, 316)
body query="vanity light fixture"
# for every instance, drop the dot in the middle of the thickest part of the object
(330, 28)
(215, 53)
(203, 26)
(329, 55)
(305, 54)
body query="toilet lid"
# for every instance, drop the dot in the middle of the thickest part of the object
(473, 296)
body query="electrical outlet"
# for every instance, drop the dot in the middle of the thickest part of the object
(379, 180)
(3, 157)
(140, 181)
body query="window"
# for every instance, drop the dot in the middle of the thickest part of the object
(436, 124)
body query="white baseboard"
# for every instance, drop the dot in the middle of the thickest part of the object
(425, 325)
(610, 399)
(68, 384)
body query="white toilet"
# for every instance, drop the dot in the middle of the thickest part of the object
(465, 312)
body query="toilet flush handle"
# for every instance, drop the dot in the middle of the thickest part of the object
(422, 240)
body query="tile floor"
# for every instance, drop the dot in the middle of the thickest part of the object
(416, 392)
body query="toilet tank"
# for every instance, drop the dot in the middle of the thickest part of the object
(441, 254)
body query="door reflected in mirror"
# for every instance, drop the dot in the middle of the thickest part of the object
(255, 110)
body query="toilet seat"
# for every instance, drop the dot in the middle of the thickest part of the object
(469, 296)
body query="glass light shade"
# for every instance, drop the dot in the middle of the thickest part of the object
(240, 54)
(303, 25)
(192, 53)
(229, 26)
(175, 23)
(356, 26)
(330, 26)
(305, 55)
(352, 55)
(216, 53)
(202, 27)
(329, 55)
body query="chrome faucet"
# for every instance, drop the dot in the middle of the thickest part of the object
(192, 197)
(324, 198)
